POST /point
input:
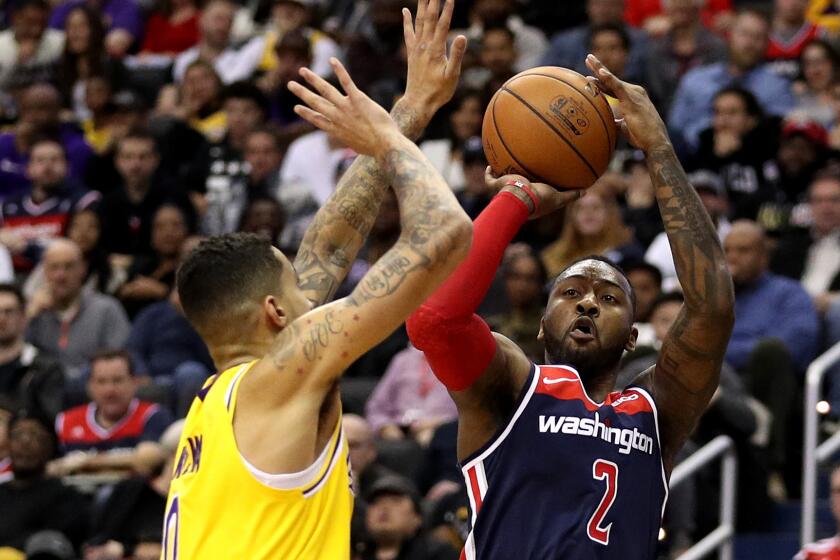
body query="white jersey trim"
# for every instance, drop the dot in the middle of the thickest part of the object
(649, 398)
(295, 480)
(501, 437)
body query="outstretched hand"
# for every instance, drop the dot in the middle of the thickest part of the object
(639, 121)
(432, 75)
(549, 199)
(353, 117)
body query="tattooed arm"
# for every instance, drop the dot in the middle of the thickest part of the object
(688, 369)
(341, 226)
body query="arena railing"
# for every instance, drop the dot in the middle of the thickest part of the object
(721, 537)
(813, 455)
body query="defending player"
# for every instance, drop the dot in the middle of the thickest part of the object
(557, 464)
(262, 470)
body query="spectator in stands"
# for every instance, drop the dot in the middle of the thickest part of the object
(70, 323)
(640, 210)
(820, 70)
(294, 16)
(28, 49)
(593, 225)
(292, 53)
(134, 509)
(692, 108)
(656, 16)
(168, 351)
(264, 154)
(221, 173)
(475, 194)
(97, 126)
(151, 278)
(790, 34)
(215, 46)
(646, 281)
(497, 56)
(524, 280)
(32, 501)
(29, 222)
(39, 107)
(29, 378)
(686, 44)
(264, 216)
(196, 101)
(611, 44)
(740, 146)
(409, 401)
(395, 525)
(803, 151)
(530, 43)
(381, 39)
(172, 28)
(466, 111)
(128, 211)
(124, 18)
(569, 48)
(712, 194)
(812, 256)
(776, 332)
(114, 430)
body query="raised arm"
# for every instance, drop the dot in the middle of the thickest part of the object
(435, 237)
(688, 369)
(341, 226)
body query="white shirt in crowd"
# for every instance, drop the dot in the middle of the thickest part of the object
(822, 264)
(235, 63)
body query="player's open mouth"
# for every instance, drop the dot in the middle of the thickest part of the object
(583, 329)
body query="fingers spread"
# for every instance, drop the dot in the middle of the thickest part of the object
(442, 29)
(320, 84)
(314, 118)
(456, 57)
(432, 12)
(344, 77)
(311, 98)
(408, 29)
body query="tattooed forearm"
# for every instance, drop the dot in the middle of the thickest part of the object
(698, 256)
(341, 226)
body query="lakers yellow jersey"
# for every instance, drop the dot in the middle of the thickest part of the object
(222, 507)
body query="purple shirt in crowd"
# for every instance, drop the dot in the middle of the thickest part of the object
(119, 14)
(409, 391)
(13, 163)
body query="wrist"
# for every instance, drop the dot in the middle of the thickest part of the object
(523, 192)
(659, 145)
(412, 115)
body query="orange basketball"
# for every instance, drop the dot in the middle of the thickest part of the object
(550, 125)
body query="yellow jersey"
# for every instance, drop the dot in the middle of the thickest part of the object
(222, 507)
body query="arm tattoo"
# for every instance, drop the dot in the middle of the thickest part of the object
(341, 226)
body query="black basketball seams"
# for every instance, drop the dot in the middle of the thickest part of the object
(534, 176)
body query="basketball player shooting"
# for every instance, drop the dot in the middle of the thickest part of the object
(262, 468)
(557, 463)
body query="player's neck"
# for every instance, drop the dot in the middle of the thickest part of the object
(226, 356)
(598, 386)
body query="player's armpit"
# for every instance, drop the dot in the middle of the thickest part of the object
(488, 402)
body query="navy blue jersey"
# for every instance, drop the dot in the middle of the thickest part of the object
(568, 478)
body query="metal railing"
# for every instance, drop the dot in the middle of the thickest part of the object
(814, 455)
(721, 537)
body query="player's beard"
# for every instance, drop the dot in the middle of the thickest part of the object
(590, 360)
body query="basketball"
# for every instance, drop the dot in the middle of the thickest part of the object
(550, 125)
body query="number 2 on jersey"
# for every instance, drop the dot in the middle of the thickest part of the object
(603, 470)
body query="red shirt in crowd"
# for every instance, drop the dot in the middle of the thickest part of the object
(637, 11)
(826, 549)
(165, 37)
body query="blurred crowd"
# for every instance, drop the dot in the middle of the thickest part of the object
(131, 129)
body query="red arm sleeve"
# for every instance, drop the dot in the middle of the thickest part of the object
(458, 344)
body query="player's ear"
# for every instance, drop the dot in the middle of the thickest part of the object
(631, 342)
(541, 334)
(275, 313)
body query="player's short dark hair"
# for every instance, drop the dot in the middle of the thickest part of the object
(666, 297)
(222, 273)
(619, 30)
(113, 354)
(17, 293)
(645, 267)
(247, 91)
(602, 259)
